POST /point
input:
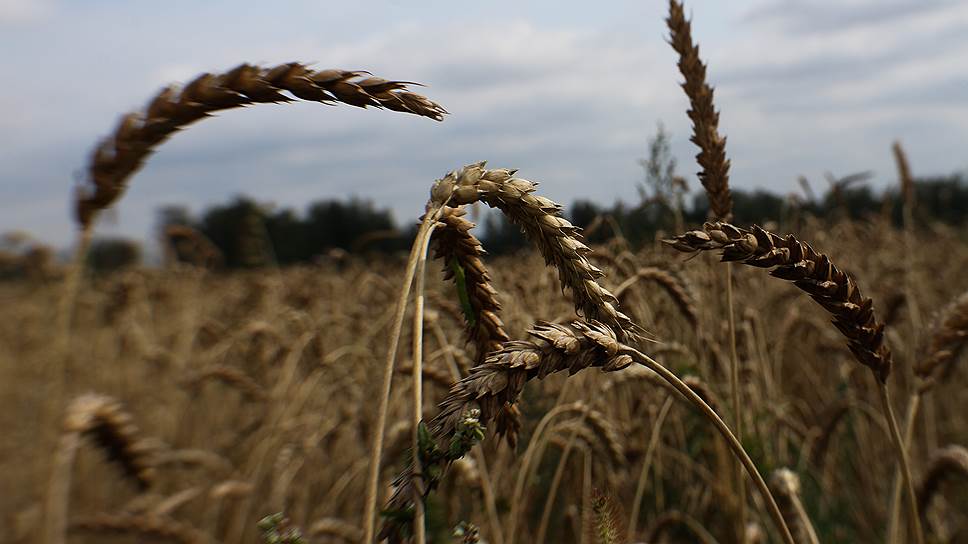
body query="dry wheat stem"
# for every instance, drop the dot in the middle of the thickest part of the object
(724, 430)
(558, 347)
(122, 153)
(420, 532)
(556, 481)
(373, 477)
(646, 465)
(705, 119)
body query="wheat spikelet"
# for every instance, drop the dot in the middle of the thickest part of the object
(904, 173)
(501, 379)
(335, 528)
(672, 285)
(112, 429)
(705, 119)
(811, 272)
(948, 339)
(145, 526)
(557, 239)
(122, 153)
(786, 489)
(952, 459)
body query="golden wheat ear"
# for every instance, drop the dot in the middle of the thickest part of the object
(117, 157)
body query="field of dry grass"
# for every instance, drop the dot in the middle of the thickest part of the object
(256, 394)
(805, 389)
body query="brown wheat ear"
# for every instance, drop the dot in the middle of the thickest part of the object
(462, 253)
(705, 119)
(499, 381)
(554, 236)
(811, 272)
(106, 422)
(122, 153)
(949, 460)
(948, 339)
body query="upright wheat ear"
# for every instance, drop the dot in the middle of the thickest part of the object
(122, 153)
(705, 119)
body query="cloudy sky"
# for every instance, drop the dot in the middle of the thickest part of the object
(568, 92)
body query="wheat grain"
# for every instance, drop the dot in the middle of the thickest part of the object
(786, 488)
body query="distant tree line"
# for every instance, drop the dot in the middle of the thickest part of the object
(250, 234)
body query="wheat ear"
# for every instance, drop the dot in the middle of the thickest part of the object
(812, 272)
(558, 240)
(786, 488)
(112, 429)
(949, 460)
(705, 119)
(502, 378)
(122, 153)
(462, 253)
(672, 285)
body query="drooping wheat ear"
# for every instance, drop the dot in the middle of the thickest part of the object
(558, 240)
(904, 173)
(786, 488)
(593, 427)
(232, 377)
(462, 255)
(705, 119)
(671, 518)
(952, 459)
(500, 380)
(145, 526)
(671, 284)
(811, 272)
(122, 153)
(183, 243)
(948, 339)
(336, 528)
(112, 429)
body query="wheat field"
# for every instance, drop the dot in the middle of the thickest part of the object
(726, 383)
